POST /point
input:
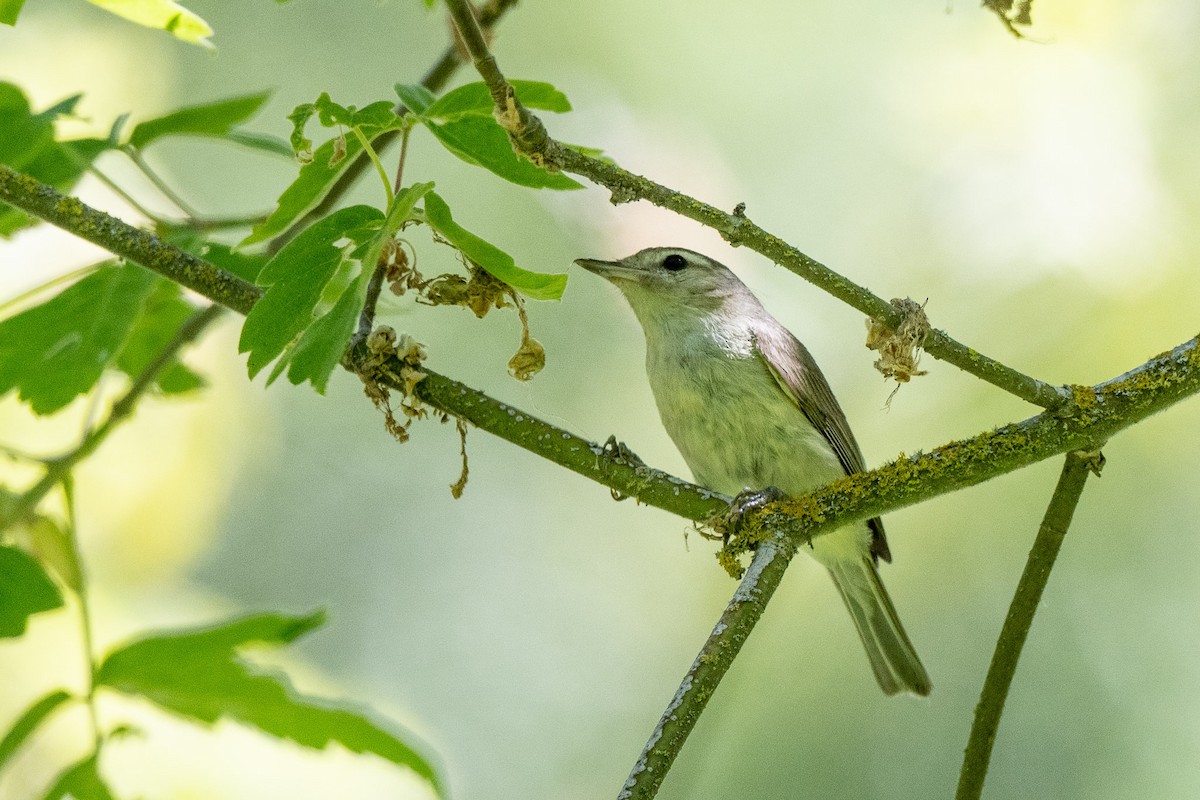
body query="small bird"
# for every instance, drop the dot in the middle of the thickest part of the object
(748, 408)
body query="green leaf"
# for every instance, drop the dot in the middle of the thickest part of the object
(476, 99)
(315, 180)
(296, 276)
(415, 97)
(321, 347)
(199, 675)
(9, 10)
(28, 722)
(81, 782)
(22, 135)
(25, 590)
(217, 118)
(536, 285)
(63, 108)
(163, 15)
(163, 315)
(56, 351)
(482, 142)
(260, 141)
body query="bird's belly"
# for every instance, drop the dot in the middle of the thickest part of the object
(737, 430)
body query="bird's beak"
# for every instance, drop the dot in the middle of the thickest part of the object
(611, 270)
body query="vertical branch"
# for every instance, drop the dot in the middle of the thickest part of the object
(749, 601)
(1020, 616)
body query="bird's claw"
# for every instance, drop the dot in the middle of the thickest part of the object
(730, 521)
(620, 452)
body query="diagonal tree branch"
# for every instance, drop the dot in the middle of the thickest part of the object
(1024, 605)
(529, 137)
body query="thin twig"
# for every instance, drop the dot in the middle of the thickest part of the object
(1076, 468)
(85, 614)
(126, 196)
(135, 156)
(529, 136)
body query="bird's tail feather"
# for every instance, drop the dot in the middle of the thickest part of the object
(893, 659)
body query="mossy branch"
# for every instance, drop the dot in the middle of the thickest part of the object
(530, 138)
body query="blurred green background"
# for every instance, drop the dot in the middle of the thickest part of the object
(1040, 194)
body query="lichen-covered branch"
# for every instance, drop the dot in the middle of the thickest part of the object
(1075, 471)
(529, 136)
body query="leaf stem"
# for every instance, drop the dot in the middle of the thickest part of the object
(400, 162)
(1076, 468)
(73, 275)
(140, 162)
(67, 482)
(371, 154)
(126, 196)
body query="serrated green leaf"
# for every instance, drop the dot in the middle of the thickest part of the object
(10, 10)
(80, 782)
(217, 118)
(481, 141)
(415, 97)
(25, 590)
(57, 351)
(536, 285)
(29, 721)
(163, 314)
(315, 180)
(296, 276)
(163, 15)
(320, 348)
(475, 99)
(199, 675)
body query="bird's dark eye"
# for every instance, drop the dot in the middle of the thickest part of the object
(674, 262)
